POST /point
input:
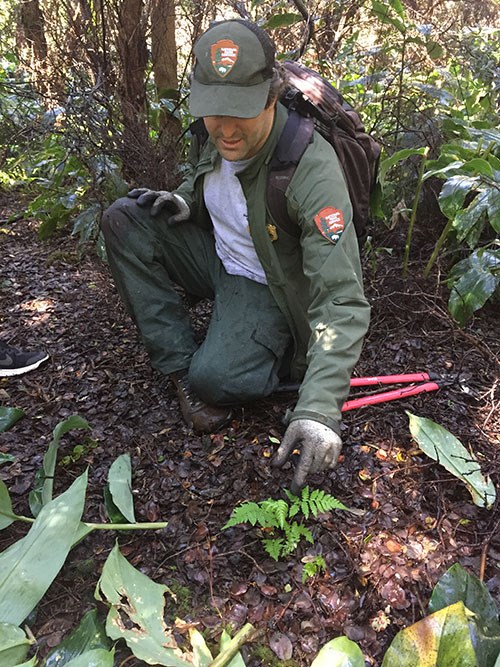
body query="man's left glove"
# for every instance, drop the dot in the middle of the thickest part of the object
(319, 449)
(162, 200)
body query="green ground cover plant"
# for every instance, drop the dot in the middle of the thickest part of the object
(462, 621)
(276, 518)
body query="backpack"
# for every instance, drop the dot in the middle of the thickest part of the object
(313, 103)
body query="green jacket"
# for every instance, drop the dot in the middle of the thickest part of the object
(316, 279)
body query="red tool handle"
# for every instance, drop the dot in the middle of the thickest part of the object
(390, 379)
(389, 395)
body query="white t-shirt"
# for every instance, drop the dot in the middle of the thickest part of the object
(226, 203)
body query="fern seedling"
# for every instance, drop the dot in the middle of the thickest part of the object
(282, 535)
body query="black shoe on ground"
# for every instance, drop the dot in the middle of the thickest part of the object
(16, 362)
(199, 416)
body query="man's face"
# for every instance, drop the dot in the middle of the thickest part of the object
(240, 138)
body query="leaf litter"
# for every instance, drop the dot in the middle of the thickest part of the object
(417, 519)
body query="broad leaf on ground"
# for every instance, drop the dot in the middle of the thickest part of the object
(339, 652)
(5, 506)
(438, 443)
(14, 645)
(136, 613)
(30, 565)
(458, 585)
(8, 417)
(237, 661)
(443, 638)
(42, 493)
(202, 656)
(120, 486)
(98, 657)
(88, 636)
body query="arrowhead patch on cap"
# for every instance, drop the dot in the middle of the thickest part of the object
(224, 55)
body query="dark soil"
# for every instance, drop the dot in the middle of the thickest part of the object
(418, 518)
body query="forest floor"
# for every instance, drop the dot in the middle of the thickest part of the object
(417, 519)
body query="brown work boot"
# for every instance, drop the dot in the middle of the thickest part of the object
(199, 416)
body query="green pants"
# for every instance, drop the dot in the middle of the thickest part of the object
(246, 346)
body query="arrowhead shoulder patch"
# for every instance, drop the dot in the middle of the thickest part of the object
(330, 223)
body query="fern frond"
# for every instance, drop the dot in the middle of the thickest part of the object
(293, 534)
(253, 513)
(274, 547)
(328, 503)
(324, 502)
(304, 506)
(269, 514)
(281, 511)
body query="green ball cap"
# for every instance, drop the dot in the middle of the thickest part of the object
(233, 70)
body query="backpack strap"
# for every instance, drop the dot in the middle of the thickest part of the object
(295, 138)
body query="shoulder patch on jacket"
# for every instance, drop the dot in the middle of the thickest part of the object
(330, 223)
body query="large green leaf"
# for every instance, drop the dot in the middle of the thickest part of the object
(88, 636)
(5, 506)
(97, 657)
(225, 641)
(339, 652)
(454, 192)
(120, 486)
(443, 638)
(469, 222)
(478, 165)
(483, 259)
(438, 443)
(137, 611)
(282, 20)
(202, 656)
(42, 493)
(434, 49)
(456, 585)
(492, 197)
(387, 164)
(8, 417)
(383, 13)
(30, 565)
(471, 292)
(14, 645)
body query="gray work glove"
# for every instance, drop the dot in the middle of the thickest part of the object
(319, 449)
(160, 200)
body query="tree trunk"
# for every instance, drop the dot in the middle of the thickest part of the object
(164, 58)
(32, 25)
(132, 51)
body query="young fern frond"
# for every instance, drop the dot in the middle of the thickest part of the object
(273, 547)
(278, 514)
(254, 514)
(293, 534)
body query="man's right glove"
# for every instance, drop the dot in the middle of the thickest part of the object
(161, 200)
(319, 449)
